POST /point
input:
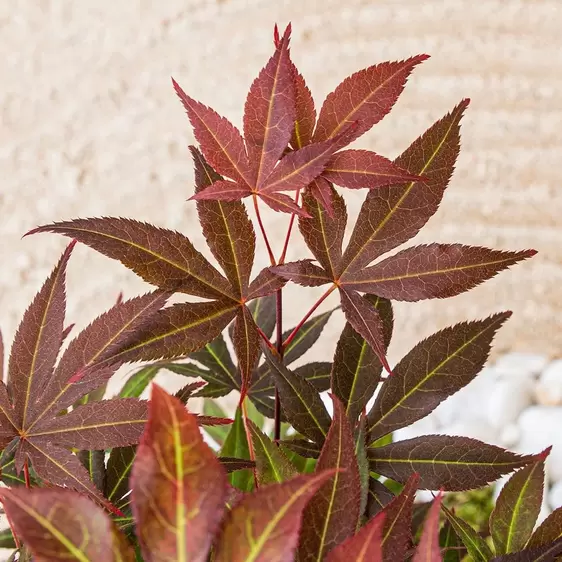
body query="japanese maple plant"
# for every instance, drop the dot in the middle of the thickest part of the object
(124, 479)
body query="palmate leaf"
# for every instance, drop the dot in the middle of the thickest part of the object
(436, 368)
(356, 369)
(58, 524)
(518, 507)
(178, 485)
(451, 463)
(365, 546)
(258, 167)
(41, 391)
(264, 525)
(389, 217)
(332, 514)
(428, 549)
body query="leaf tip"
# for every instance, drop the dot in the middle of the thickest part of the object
(543, 455)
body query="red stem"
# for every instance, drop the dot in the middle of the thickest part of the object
(265, 338)
(308, 315)
(280, 351)
(26, 475)
(289, 230)
(249, 440)
(266, 240)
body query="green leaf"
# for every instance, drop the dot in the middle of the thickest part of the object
(518, 507)
(137, 383)
(264, 526)
(332, 514)
(436, 368)
(118, 472)
(271, 463)
(94, 463)
(179, 487)
(356, 369)
(363, 464)
(59, 524)
(451, 463)
(477, 547)
(236, 446)
(216, 357)
(451, 545)
(7, 539)
(300, 401)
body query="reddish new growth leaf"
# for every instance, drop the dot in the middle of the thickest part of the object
(254, 165)
(179, 486)
(280, 110)
(264, 526)
(332, 515)
(39, 390)
(365, 546)
(428, 549)
(58, 524)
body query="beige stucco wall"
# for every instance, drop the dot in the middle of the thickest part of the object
(90, 126)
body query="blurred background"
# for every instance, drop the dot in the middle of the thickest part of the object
(90, 126)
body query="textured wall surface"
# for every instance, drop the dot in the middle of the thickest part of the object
(90, 126)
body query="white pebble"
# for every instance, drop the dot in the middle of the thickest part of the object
(508, 398)
(548, 390)
(517, 363)
(540, 428)
(510, 435)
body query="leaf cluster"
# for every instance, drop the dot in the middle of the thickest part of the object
(329, 483)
